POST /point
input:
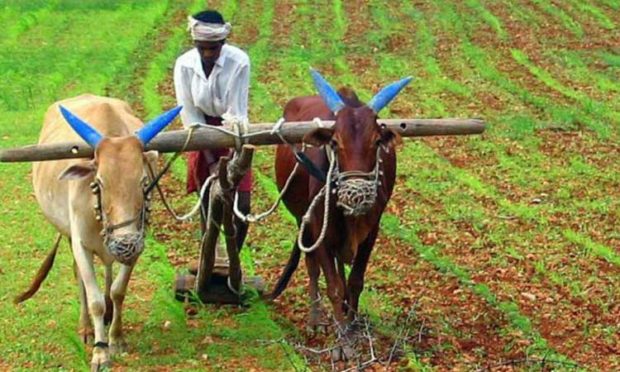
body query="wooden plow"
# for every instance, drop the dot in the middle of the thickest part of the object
(229, 173)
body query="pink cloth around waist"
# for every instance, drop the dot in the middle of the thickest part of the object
(199, 162)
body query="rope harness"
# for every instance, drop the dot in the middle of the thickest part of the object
(155, 183)
(124, 248)
(241, 136)
(356, 192)
(247, 218)
(325, 193)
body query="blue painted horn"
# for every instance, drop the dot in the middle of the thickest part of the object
(329, 95)
(88, 133)
(387, 94)
(152, 128)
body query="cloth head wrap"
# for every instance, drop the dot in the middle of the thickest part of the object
(202, 31)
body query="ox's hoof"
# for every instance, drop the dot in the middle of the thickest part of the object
(100, 366)
(343, 353)
(315, 325)
(317, 328)
(101, 357)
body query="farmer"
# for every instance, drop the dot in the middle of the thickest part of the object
(209, 80)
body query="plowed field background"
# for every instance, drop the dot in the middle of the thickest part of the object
(497, 252)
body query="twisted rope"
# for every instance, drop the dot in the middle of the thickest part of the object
(276, 129)
(155, 184)
(357, 191)
(241, 135)
(326, 194)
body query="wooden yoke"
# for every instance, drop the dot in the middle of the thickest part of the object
(258, 134)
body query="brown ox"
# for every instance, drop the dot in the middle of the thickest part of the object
(364, 177)
(98, 204)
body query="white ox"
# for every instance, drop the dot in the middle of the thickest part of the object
(99, 204)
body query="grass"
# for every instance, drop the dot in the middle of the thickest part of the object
(593, 12)
(153, 341)
(590, 107)
(42, 332)
(565, 19)
(489, 18)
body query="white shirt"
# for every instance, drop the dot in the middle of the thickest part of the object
(226, 88)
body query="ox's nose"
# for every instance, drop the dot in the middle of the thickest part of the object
(125, 248)
(356, 196)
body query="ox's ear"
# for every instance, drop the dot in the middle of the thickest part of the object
(318, 137)
(390, 137)
(78, 171)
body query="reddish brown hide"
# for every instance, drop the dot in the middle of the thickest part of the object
(349, 240)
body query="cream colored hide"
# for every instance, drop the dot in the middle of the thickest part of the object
(63, 189)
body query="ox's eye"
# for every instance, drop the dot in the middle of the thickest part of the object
(334, 144)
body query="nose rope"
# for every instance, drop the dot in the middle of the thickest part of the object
(357, 191)
(127, 247)
(355, 195)
(100, 216)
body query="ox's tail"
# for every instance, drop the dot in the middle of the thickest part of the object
(41, 274)
(290, 268)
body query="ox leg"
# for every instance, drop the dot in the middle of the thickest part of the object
(343, 279)
(119, 289)
(314, 271)
(336, 293)
(335, 286)
(96, 303)
(356, 278)
(85, 327)
(107, 318)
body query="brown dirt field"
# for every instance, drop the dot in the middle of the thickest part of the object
(555, 311)
(459, 329)
(389, 256)
(601, 154)
(476, 325)
(283, 18)
(538, 42)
